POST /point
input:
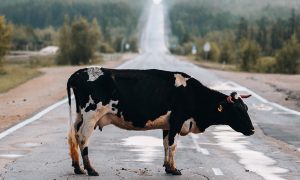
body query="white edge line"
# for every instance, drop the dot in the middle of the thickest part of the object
(33, 118)
(217, 171)
(198, 148)
(266, 101)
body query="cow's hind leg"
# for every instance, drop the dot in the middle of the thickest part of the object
(73, 146)
(84, 133)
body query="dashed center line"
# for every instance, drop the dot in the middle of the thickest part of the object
(198, 148)
(217, 171)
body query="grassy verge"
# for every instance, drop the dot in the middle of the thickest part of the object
(14, 75)
(210, 65)
(18, 70)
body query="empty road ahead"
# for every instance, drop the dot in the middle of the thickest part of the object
(39, 150)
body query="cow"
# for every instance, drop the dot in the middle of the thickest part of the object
(144, 100)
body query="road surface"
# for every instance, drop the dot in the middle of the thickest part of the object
(38, 149)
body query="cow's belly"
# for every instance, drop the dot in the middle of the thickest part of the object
(161, 122)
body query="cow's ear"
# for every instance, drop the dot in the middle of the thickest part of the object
(220, 108)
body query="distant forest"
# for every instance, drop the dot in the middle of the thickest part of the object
(36, 22)
(260, 36)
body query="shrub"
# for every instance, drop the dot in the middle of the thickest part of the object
(265, 64)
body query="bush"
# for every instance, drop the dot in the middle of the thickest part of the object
(249, 52)
(289, 56)
(106, 48)
(265, 65)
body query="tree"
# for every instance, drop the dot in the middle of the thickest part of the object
(249, 52)
(64, 43)
(5, 39)
(243, 30)
(78, 42)
(289, 56)
(262, 33)
(226, 55)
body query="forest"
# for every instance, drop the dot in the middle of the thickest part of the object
(36, 22)
(256, 36)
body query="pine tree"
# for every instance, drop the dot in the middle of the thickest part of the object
(243, 30)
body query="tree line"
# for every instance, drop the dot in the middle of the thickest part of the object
(36, 23)
(264, 44)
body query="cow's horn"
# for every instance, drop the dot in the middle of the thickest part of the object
(245, 96)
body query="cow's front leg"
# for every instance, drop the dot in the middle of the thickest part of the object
(166, 149)
(84, 134)
(172, 138)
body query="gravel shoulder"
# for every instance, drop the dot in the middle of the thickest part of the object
(34, 95)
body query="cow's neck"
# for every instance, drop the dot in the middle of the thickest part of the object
(207, 103)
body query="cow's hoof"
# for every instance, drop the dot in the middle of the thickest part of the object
(173, 172)
(79, 171)
(92, 172)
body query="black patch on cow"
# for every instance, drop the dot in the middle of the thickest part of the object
(191, 124)
(91, 107)
(85, 152)
(165, 133)
(79, 125)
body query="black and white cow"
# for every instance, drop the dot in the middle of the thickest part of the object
(147, 99)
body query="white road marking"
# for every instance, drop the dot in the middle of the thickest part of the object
(198, 148)
(11, 155)
(32, 119)
(253, 160)
(262, 107)
(264, 100)
(217, 171)
(232, 86)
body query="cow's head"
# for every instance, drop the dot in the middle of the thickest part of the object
(234, 112)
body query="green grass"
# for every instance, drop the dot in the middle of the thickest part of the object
(16, 71)
(211, 65)
(14, 75)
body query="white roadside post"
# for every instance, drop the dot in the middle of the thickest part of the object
(194, 49)
(206, 49)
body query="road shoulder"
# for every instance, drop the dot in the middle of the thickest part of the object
(34, 95)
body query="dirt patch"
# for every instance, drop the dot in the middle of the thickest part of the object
(25, 100)
(279, 88)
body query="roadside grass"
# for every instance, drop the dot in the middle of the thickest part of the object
(17, 70)
(14, 75)
(209, 64)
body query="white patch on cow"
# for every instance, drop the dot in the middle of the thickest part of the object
(180, 80)
(91, 101)
(114, 110)
(94, 73)
(185, 129)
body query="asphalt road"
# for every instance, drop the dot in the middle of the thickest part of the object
(39, 150)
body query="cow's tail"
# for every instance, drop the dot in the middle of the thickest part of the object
(73, 144)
